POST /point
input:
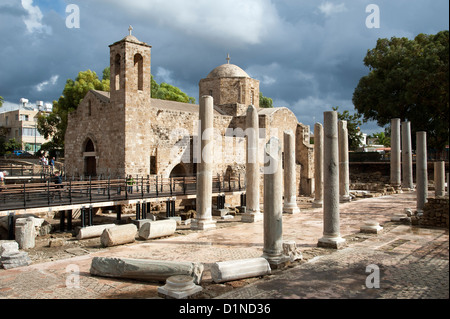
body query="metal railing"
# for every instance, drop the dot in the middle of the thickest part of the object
(72, 191)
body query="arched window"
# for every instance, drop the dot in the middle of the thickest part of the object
(117, 72)
(139, 67)
(89, 146)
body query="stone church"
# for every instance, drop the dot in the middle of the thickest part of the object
(125, 131)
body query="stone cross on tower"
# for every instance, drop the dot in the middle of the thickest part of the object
(130, 28)
(228, 58)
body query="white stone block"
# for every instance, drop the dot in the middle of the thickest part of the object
(290, 249)
(25, 233)
(179, 287)
(93, 231)
(8, 246)
(371, 227)
(118, 235)
(239, 269)
(158, 228)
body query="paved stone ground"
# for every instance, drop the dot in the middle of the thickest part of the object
(412, 261)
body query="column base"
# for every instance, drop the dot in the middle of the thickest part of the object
(345, 199)
(317, 204)
(371, 227)
(277, 261)
(331, 242)
(203, 224)
(397, 188)
(251, 217)
(291, 209)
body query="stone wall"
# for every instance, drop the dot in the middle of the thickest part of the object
(305, 158)
(435, 213)
(106, 133)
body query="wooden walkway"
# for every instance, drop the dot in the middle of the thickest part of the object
(74, 194)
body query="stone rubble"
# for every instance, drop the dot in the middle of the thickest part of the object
(11, 257)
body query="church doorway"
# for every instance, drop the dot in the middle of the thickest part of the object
(90, 166)
(90, 161)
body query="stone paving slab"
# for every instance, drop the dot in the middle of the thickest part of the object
(413, 261)
(420, 271)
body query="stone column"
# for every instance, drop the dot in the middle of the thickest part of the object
(396, 172)
(318, 165)
(407, 181)
(203, 218)
(344, 179)
(252, 173)
(439, 179)
(290, 180)
(273, 204)
(421, 170)
(331, 228)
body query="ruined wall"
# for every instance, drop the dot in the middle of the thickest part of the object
(435, 213)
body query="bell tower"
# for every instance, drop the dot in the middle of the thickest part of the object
(130, 98)
(130, 79)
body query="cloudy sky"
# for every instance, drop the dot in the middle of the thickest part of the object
(307, 54)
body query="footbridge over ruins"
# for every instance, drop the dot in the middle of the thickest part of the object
(71, 194)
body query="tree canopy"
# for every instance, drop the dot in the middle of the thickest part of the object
(265, 102)
(166, 91)
(382, 139)
(1, 101)
(54, 125)
(408, 79)
(354, 121)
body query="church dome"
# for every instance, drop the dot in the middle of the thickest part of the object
(227, 71)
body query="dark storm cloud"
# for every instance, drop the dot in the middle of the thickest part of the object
(308, 55)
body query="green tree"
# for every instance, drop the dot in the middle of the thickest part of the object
(54, 125)
(354, 121)
(382, 139)
(408, 79)
(265, 102)
(1, 101)
(169, 92)
(11, 145)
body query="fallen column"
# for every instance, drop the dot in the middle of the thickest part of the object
(144, 269)
(119, 235)
(239, 269)
(290, 198)
(158, 228)
(93, 231)
(331, 228)
(318, 165)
